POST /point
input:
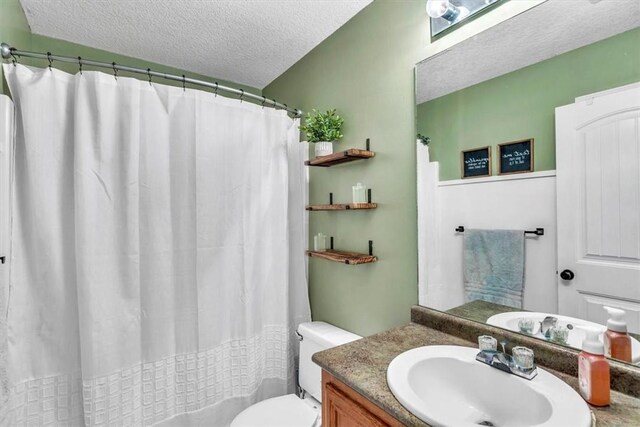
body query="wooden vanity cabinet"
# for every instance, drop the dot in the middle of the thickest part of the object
(344, 407)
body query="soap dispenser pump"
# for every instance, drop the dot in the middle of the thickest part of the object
(617, 343)
(593, 370)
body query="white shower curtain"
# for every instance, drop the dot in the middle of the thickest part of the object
(157, 264)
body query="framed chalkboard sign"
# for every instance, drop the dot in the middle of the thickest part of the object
(476, 162)
(516, 157)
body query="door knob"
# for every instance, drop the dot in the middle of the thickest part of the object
(567, 275)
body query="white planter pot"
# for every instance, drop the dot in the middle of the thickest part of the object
(323, 148)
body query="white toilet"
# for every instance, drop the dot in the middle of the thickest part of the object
(290, 410)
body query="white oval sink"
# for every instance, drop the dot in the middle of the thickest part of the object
(576, 336)
(445, 386)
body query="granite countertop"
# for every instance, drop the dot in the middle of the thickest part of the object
(480, 311)
(362, 365)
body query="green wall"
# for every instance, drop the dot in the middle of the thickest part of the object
(520, 105)
(15, 31)
(365, 70)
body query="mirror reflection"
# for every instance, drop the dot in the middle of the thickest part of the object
(529, 175)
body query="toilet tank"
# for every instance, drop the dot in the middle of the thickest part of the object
(318, 336)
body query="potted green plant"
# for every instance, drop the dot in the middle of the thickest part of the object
(323, 129)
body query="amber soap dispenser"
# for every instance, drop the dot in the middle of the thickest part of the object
(593, 370)
(617, 343)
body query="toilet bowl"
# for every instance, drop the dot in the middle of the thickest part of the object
(291, 410)
(282, 411)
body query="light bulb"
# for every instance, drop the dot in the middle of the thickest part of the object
(437, 8)
(443, 9)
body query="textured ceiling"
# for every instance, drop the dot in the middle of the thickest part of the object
(547, 30)
(244, 41)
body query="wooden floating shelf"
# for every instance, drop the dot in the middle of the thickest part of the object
(342, 207)
(350, 155)
(349, 258)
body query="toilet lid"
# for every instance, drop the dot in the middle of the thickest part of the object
(283, 411)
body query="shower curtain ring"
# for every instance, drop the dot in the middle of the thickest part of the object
(50, 60)
(184, 83)
(286, 107)
(14, 60)
(275, 104)
(115, 70)
(216, 91)
(241, 95)
(263, 101)
(149, 74)
(80, 65)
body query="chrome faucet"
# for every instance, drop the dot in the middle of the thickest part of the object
(505, 362)
(546, 325)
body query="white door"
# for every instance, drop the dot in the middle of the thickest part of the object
(598, 190)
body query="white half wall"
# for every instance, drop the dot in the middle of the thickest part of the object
(520, 202)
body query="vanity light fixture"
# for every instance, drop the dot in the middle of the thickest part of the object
(444, 9)
(444, 14)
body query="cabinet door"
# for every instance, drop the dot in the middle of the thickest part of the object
(344, 407)
(344, 412)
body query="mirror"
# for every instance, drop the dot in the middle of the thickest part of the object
(533, 126)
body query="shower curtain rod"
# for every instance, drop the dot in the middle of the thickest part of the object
(11, 52)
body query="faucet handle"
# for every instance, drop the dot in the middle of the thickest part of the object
(503, 344)
(523, 358)
(487, 343)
